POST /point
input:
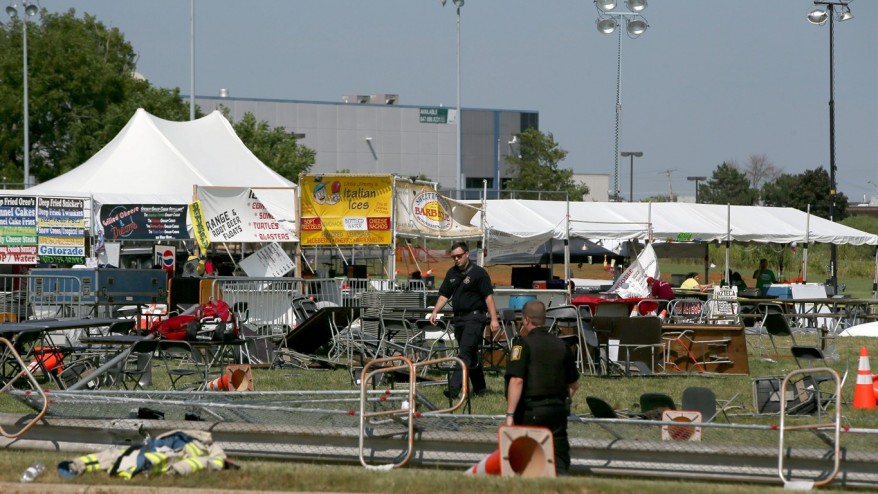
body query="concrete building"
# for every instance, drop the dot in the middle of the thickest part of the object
(598, 186)
(375, 134)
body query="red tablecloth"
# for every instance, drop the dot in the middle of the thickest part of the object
(649, 305)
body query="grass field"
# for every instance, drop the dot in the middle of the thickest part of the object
(621, 392)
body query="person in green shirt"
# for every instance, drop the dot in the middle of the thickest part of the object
(764, 276)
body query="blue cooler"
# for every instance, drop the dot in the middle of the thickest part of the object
(779, 290)
(517, 302)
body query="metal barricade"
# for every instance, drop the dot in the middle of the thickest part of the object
(835, 425)
(328, 290)
(262, 303)
(24, 297)
(9, 353)
(352, 291)
(407, 410)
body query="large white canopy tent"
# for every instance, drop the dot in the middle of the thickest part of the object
(512, 224)
(542, 220)
(157, 161)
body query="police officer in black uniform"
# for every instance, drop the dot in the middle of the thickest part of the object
(468, 287)
(541, 379)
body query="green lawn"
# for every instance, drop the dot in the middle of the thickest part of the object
(621, 392)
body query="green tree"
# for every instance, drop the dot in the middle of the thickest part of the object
(810, 187)
(82, 91)
(535, 168)
(727, 185)
(275, 147)
(658, 198)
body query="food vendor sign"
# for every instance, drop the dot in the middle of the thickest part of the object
(346, 209)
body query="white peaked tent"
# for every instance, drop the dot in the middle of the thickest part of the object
(156, 161)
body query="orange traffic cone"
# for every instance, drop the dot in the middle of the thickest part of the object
(235, 378)
(864, 394)
(490, 465)
(875, 385)
(524, 451)
(219, 384)
(46, 358)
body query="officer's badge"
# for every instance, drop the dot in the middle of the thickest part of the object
(466, 280)
(516, 352)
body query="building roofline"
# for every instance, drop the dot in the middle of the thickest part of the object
(342, 103)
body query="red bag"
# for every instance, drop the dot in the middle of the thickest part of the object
(212, 321)
(175, 327)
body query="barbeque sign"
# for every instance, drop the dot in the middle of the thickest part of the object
(431, 210)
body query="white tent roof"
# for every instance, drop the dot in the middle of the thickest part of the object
(670, 221)
(156, 161)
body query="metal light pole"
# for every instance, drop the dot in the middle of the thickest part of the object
(696, 180)
(607, 22)
(459, 168)
(632, 155)
(29, 10)
(191, 59)
(820, 16)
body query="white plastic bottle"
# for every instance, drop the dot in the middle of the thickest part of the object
(32, 472)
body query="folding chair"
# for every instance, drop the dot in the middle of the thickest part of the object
(566, 325)
(181, 361)
(814, 357)
(700, 399)
(600, 409)
(137, 369)
(776, 324)
(590, 354)
(704, 400)
(653, 404)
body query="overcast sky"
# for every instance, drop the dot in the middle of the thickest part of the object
(710, 81)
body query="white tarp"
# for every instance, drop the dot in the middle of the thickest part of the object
(422, 211)
(156, 161)
(236, 214)
(632, 282)
(269, 261)
(675, 222)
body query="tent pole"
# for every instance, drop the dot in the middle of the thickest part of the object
(875, 277)
(567, 273)
(728, 244)
(225, 246)
(807, 241)
(484, 249)
(394, 198)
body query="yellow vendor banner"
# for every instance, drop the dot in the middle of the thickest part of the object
(199, 226)
(346, 209)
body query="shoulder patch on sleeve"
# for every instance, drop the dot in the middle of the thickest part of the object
(516, 352)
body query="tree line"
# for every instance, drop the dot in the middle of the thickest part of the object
(759, 182)
(83, 89)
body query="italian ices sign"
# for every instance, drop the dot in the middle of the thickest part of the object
(346, 209)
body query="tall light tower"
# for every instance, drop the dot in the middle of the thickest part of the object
(191, 59)
(819, 16)
(29, 11)
(459, 167)
(635, 25)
